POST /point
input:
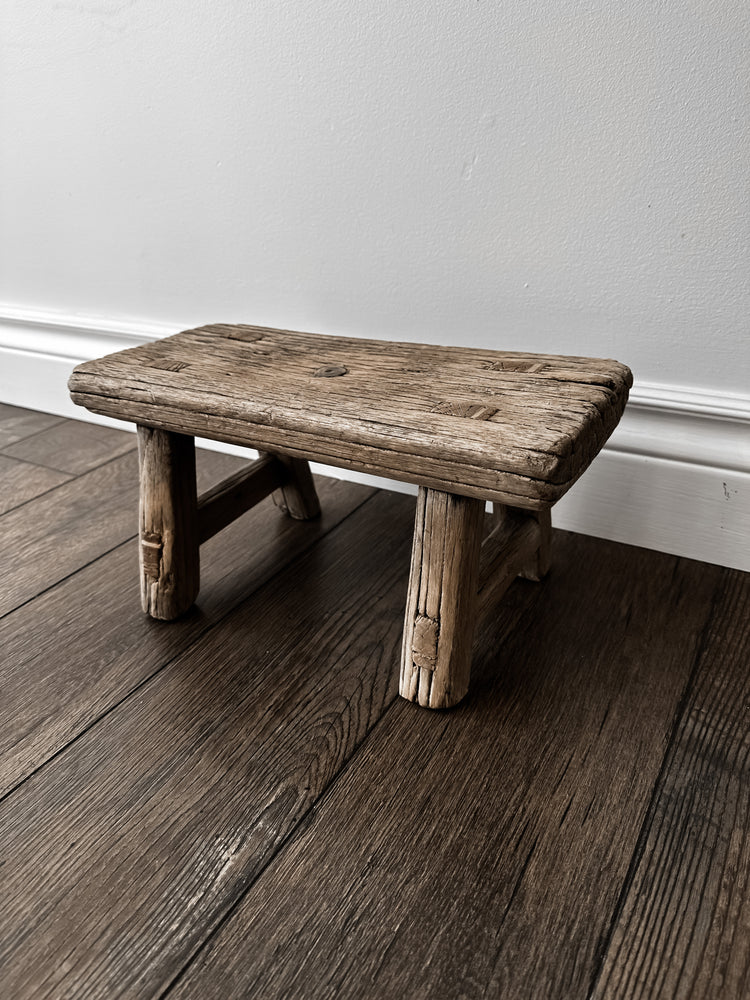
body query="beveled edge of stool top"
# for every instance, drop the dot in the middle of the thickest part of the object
(513, 427)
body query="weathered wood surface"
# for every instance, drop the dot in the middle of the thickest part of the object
(63, 530)
(482, 853)
(17, 423)
(683, 929)
(124, 853)
(442, 599)
(540, 562)
(169, 544)
(236, 494)
(511, 547)
(297, 496)
(517, 428)
(73, 447)
(22, 481)
(73, 653)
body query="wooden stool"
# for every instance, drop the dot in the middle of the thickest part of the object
(463, 424)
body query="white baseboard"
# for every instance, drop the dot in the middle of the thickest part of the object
(675, 476)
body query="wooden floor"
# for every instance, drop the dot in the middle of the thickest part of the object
(239, 805)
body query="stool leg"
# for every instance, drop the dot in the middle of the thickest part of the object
(298, 497)
(442, 600)
(538, 566)
(168, 549)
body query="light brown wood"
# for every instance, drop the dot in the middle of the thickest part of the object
(512, 545)
(297, 496)
(58, 533)
(168, 524)
(236, 494)
(512, 427)
(539, 560)
(442, 599)
(453, 582)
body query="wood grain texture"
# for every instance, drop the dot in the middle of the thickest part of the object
(110, 646)
(58, 533)
(73, 447)
(540, 563)
(297, 496)
(511, 546)
(683, 930)
(168, 552)
(238, 493)
(481, 854)
(479, 858)
(442, 599)
(17, 423)
(517, 428)
(21, 481)
(128, 848)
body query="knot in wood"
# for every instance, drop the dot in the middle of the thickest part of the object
(330, 371)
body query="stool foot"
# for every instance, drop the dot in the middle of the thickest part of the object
(168, 543)
(442, 600)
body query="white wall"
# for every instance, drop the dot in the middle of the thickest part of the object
(555, 176)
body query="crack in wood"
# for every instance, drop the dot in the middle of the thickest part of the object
(476, 411)
(167, 364)
(514, 366)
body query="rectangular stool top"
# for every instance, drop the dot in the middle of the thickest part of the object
(512, 427)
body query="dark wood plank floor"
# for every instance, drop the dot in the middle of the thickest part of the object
(239, 805)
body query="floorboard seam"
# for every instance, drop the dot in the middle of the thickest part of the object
(146, 680)
(28, 437)
(299, 825)
(72, 476)
(643, 833)
(67, 576)
(65, 472)
(44, 493)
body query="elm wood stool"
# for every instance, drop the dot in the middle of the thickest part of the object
(465, 425)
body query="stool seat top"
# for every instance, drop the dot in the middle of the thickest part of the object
(516, 428)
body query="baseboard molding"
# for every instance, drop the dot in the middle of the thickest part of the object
(675, 476)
